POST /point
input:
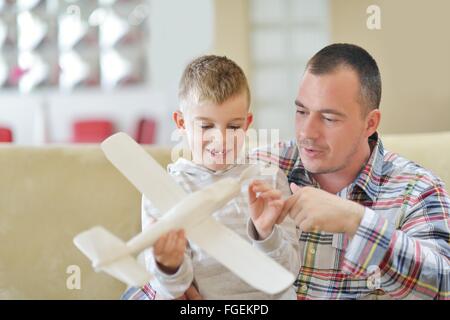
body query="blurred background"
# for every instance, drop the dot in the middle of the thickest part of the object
(77, 71)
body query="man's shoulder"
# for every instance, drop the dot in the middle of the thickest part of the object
(398, 168)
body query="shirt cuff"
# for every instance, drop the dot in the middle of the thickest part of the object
(369, 245)
(168, 278)
(271, 243)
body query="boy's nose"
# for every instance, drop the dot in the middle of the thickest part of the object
(214, 135)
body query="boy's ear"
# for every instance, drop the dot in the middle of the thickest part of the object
(179, 120)
(249, 120)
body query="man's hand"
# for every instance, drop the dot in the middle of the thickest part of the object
(315, 210)
(169, 251)
(265, 208)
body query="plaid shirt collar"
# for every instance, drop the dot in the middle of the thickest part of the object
(369, 178)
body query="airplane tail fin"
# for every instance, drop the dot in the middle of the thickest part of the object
(110, 254)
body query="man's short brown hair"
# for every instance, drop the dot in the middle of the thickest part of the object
(211, 78)
(337, 55)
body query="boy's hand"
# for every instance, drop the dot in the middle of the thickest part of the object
(264, 209)
(169, 251)
(190, 294)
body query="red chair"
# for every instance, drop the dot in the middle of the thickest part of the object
(146, 131)
(92, 131)
(6, 135)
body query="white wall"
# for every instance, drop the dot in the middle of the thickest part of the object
(284, 34)
(412, 50)
(179, 30)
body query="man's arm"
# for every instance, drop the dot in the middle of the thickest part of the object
(412, 261)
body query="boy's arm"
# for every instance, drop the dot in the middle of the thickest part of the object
(166, 286)
(172, 286)
(283, 243)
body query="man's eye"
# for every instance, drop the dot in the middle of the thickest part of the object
(206, 126)
(330, 120)
(301, 112)
(234, 127)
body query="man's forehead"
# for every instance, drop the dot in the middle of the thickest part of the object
(341, 76)
(334, 90)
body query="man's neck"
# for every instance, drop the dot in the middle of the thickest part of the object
(336, 181)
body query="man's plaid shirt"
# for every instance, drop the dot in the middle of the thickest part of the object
(401, 249)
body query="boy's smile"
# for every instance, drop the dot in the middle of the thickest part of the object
(218, 153)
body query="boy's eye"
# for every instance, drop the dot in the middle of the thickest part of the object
(206, 126)
(234, 127)
(301, 112)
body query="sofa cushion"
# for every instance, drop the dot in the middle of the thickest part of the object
(430, 150)
(48, 195)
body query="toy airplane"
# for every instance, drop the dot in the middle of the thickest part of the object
(192, 212)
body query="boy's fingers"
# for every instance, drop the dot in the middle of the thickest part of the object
(271, 194)
(178, 238)
(261, 187)
(182, 241)
(193, 294)
(251, 194)
(180, 245)
(256, 182)
(160, 244)
(170, 243)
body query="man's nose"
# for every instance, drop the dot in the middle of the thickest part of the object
(310, 127)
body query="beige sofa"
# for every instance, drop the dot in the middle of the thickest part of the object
(49, 194)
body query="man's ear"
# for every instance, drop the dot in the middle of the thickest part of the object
(372, 122)
(177, 117)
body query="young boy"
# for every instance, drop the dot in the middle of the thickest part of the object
(214, 115)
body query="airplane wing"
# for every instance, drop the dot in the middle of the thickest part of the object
(142, 171)
(250, 264)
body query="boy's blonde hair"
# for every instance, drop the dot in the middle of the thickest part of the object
(213, 79)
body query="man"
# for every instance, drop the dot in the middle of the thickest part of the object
(374, 225)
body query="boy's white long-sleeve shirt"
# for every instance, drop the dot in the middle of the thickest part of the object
(212, 279)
